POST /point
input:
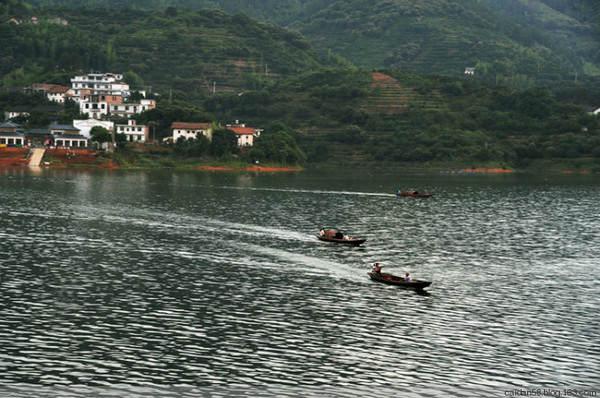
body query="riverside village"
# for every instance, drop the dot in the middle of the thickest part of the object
(104, 98)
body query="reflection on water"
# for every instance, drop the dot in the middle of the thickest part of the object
(179, 284)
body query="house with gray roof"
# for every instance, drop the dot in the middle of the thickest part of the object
(11, 134)
(68, 136)
(39, 138)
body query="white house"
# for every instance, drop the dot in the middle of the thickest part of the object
(85, 126)
(245, 135)
(133, 131)
(191, 130)
(129, 108)
(17, 111)
(469, 70)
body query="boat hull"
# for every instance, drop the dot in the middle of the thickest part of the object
(353, 242)
(414, 195)
(399, 281)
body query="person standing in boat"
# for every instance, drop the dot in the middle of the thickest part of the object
(407, 278)
(377, 269)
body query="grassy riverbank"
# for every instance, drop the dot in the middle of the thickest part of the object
(82, 159)
(157, 159)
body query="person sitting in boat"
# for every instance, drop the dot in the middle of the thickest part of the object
(377, 269)
(407, 278)
(322, 231)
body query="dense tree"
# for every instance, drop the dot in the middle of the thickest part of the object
(100, 135)
(224, 142)
(279, 147)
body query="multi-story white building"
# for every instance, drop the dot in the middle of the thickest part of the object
(133, 131)
(128, 109)
(99, 83)
(94, 107)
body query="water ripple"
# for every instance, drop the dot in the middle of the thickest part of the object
(189, 284)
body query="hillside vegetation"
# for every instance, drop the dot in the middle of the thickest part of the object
(522, 43)
(197, 52)
(209, 65)
(445, 37)
(357, 116)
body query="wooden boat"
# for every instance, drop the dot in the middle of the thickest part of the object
(399, 281)
(338, 237)
(414, 194)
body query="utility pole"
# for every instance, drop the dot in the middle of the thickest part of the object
(214, 87)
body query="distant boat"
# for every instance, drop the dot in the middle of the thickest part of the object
(414, 194)
(399, 281)
(338, 237)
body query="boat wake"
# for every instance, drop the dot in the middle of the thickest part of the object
(309, 191)
(295, 261)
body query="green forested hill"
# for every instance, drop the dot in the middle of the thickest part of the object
(519, 42)
(203, 51)
(358, 117)
(238, 68)
(444, 37)
(573, 25)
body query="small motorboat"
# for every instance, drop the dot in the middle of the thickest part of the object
(339, 237)
(399, 281)
(414, 194)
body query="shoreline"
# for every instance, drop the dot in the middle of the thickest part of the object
(63, 158)
(249, 168)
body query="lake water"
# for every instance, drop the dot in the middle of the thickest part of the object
(170, 283)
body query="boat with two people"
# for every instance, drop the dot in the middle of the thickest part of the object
(390, 279)
(334, 236)
(414, 194)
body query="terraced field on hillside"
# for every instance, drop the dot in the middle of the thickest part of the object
(390, 97)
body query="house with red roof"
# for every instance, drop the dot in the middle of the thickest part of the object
(245, 135)
(59, 94)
